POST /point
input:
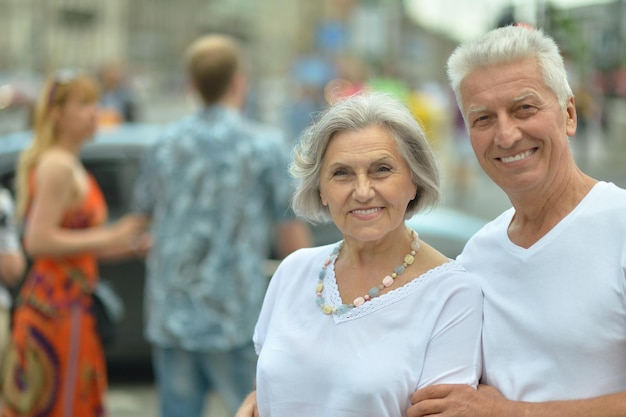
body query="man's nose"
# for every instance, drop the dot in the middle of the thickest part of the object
(507, 132)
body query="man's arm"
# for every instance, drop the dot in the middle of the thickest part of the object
(464, 401)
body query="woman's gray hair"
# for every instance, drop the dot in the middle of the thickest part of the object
(353, 114)
(509, 44)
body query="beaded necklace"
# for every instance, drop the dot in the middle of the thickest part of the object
(387, 281)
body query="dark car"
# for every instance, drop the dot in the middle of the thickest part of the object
(113, 157)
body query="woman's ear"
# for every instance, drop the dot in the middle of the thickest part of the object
(324, 201)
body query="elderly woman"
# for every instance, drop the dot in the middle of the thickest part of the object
(353, 328)
(56, 364)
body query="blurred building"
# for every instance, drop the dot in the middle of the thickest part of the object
(593, 39)
(149, 36)
(40, 35)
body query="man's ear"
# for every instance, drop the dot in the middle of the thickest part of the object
(571, 118)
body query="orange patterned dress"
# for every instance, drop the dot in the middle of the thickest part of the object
(56, 367)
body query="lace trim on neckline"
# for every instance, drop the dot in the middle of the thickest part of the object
(333, 297)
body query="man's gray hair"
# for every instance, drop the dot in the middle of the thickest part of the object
(506, 45)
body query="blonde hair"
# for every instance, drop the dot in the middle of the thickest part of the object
(54, 95)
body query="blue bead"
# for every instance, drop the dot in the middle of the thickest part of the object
(319, 301)
(374, 292)
(399, 269)
(343, 309)
(321, 275)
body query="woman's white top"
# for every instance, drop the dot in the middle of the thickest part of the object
(370, 360)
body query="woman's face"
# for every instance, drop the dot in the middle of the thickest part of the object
(365, 183)
(77, 118)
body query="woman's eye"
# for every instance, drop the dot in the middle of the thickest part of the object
(339, 172)
(382, 170)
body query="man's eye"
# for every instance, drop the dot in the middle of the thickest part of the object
(526, 107)
(526, 110)
(481, 121)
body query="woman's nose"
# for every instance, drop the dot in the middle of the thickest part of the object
(363, 189)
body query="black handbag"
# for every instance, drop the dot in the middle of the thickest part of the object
(108, 310)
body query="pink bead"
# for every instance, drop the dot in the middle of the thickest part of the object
(359, 301)
(387, 281)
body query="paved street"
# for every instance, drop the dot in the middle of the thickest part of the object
(132, 394)
(139, 400)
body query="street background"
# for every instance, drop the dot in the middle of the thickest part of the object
(304, 54)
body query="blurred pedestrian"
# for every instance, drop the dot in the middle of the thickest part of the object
(352, 328)
(553, 267)
(12, 264)
(118, 101)
(463, 162)
(55, 364)
(217, 190)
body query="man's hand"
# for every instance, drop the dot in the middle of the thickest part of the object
(248, 408)
(457, 401)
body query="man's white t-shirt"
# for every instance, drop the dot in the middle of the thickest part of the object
(555, 313)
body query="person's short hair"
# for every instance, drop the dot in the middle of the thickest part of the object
(212, 62)
(353, 114)
(506, 45)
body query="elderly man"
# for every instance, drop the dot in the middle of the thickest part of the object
(552, 267)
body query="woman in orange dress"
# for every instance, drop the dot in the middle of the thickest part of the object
(56, 365)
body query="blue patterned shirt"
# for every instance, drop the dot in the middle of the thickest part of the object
(215, 185)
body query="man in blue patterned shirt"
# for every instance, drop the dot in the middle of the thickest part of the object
(217, 189)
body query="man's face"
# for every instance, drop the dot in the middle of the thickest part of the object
(518, 130)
